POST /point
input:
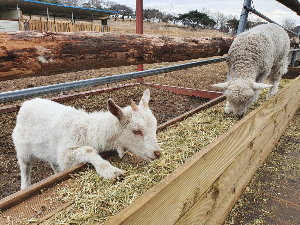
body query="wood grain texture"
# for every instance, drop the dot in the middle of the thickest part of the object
(204, 189)
(28, 192)
(33, 53)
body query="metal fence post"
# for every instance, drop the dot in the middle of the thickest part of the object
(244, 17)
(242, 23)
(295, 53)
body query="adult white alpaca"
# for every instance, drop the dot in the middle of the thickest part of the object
(257, 54)
(65, 136)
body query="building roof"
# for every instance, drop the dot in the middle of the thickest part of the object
(30, 7)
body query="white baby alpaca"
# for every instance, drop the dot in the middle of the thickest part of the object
(257, 54)
(65, 136)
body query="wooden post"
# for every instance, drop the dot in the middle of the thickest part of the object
(21, 24)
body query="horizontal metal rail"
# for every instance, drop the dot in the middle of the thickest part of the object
(250, 9)
(62, 87)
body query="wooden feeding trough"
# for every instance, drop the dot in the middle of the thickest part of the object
(204, 189)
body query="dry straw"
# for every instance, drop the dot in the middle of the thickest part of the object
(96, 200)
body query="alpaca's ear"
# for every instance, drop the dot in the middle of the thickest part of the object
(259, 86)
(223, 86)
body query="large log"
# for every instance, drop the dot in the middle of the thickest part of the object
(33, 53)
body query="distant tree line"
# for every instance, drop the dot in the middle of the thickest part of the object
(194, 19)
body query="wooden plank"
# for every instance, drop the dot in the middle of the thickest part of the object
(21, 195)
(191, 112)
(21, 24)
(233, 181)
(29, 24)
(45, 53)
(48, 26)
(179, 197)
(205, 207)
(71, 27)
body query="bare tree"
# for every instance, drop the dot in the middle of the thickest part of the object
(94, 4)
(220, 19)
(121, 9)
(150, 13)
(75, 3)
(289, 23)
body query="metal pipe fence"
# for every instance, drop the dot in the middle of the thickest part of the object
(62, 87)
(250, 9)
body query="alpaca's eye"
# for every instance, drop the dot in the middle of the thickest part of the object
(137, 132)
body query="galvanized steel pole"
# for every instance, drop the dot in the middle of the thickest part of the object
(244, 17)
(57, 88)
(295, 53)
(250, 9)
(48, 14)
(242, 23)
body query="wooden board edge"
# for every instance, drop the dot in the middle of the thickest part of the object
(214, 208)
(26, 193)
(142, 204)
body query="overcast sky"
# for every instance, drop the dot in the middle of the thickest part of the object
(270, 8)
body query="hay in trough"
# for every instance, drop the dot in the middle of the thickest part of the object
(96, 200)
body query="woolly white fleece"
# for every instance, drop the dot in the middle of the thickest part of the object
(254, 56)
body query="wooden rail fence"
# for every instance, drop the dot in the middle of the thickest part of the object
(52, 26)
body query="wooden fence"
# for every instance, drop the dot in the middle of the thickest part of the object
(61, 26)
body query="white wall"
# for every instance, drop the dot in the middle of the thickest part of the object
(8, 25)
(11, 14)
